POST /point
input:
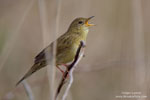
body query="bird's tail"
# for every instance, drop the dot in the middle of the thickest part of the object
(33, 69)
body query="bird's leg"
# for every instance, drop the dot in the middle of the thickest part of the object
(62, 71)
(66, 67)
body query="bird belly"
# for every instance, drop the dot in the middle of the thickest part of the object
(66, 56)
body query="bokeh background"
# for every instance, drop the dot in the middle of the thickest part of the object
(117, 57)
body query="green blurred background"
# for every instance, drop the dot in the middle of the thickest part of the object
(117, 53)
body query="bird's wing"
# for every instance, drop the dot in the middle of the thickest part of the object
(42, 55)
(63, 42)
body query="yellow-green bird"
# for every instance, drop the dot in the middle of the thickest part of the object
(66, 47)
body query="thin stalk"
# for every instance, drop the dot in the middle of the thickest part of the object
(28, 90)
(51, 67)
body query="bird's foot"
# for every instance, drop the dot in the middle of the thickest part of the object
(65, 65)
(60, 69)
(63, 71)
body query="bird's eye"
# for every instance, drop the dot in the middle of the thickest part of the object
(80, 22)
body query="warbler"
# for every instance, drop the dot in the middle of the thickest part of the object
(66, 47)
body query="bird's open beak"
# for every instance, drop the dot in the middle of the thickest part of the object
(86, 22)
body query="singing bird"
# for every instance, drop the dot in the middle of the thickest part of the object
(66, 47)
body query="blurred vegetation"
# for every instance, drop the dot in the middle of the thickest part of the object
(117, 56)
(3, 38)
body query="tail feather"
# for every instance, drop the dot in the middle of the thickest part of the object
(33, 69)
(25, 76)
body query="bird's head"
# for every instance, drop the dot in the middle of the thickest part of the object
(80, 25)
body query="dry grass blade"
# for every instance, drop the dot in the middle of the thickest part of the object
(28, 90)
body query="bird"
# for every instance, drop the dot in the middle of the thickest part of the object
(66, 47)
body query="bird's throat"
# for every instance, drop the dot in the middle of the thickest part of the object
(79, 33)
